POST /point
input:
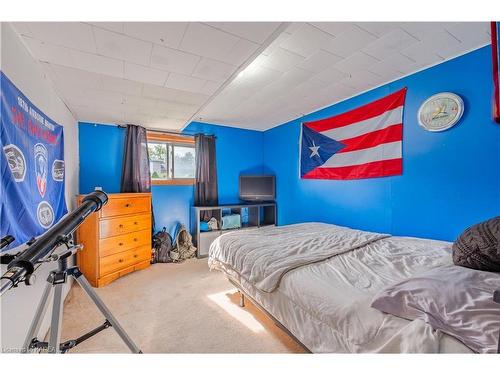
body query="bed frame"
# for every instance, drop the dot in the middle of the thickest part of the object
(244, 295)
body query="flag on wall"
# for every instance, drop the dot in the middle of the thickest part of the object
(32, 167)
(362, 143)
(495, 50)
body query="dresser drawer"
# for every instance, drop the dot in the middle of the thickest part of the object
(123, 260)
(117, 244)
(126, 206)
(122, 225)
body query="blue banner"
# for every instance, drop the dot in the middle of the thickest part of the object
(32, 167)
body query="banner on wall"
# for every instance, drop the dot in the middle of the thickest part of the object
(495, 50)
(365, 142)
(32, 167)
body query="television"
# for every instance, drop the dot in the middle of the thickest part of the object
(257, 188)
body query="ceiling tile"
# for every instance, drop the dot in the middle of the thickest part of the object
(355, 62)
(145, 74)
(48, 52)
(210, 87)
(425, 52)
(168, 34)
(124, 86)
(350, 40)
(117, 27)
(118, 46)
(256, 32)
(333, 28)
(97, 64)
(421, 56)
(318, 61)
(281, 60)
(471, 33)
(207, 41)
(311, 85)
(331, 74)
(178, 96)
(396, 62)
(140, 104)
(276, 43)
(173, 60)
(75, 77)
(165, 123)
(306, 40)
(390, 43)
(255, 76)
(22, 28)
(385, 69)
(74, 35)
(378, 28)
(183, 82)
(424, 30)
(363, 80)
(286, 82)
(213, 70)
(240, 53)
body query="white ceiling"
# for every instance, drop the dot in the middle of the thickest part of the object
(251, 75)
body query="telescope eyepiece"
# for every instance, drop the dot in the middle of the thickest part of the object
(99, 197)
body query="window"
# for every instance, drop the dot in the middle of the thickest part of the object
(171, 159)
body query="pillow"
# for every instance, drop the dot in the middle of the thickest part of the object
(478, 246)
(454, 300)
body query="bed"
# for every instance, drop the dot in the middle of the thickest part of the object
(322, 298)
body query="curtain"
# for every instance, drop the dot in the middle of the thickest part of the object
(135, 168)
(205, 192)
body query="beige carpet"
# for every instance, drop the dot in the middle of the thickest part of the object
(175, 308)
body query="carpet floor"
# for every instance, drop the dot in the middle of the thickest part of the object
(174, 308)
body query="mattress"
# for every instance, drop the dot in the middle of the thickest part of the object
(326, 305)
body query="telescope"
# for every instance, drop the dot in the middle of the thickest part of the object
(22, 267)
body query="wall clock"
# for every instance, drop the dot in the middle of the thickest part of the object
(440, 111)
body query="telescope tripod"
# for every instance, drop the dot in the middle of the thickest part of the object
(55, 282)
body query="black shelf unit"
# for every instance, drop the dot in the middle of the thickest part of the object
(255, 215)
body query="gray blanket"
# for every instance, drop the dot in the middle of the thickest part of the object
(263, 256)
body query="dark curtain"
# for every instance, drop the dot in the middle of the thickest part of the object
(135, 168)
(205, 192)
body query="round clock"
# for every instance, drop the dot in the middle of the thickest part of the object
(440, 111)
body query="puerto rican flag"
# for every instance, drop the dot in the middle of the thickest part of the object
(362, 143)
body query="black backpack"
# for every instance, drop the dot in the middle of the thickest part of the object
(162, 245)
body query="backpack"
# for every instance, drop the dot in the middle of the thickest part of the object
(183, 248)
(162, 245)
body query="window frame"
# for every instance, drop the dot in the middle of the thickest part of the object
(171, 140)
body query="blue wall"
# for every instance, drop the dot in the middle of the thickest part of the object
(101, 155)
(450, 179)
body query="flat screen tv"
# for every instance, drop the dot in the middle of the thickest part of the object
(257, 188)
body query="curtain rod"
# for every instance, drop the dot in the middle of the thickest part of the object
(170, 132)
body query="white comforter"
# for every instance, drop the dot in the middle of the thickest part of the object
(326, 304)
(285, 248)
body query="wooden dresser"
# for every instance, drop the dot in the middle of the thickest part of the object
(116, 239)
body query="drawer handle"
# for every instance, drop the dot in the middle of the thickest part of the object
(135, 223)
(120, 244)
(135, 239)
(128, 205)
(120, 260)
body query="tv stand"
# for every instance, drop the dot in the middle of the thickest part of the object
(258, 214)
